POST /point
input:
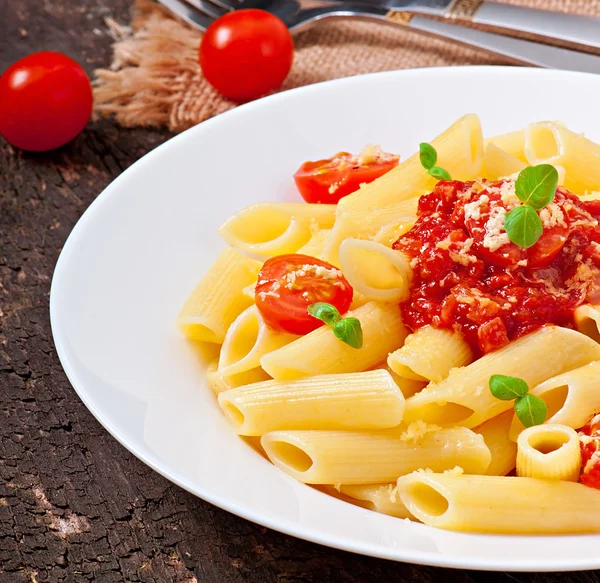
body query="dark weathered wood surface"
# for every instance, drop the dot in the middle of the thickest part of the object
(75, 505)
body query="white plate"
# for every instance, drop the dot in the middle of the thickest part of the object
(143, 244)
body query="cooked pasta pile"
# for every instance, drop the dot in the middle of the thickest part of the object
(390, 400)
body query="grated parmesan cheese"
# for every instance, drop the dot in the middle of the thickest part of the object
(473, 209)
(318, 270)
(552, 216)
(462, 256)
(417, 430)
(495, 234)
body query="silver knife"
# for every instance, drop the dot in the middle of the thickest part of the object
(572, 29)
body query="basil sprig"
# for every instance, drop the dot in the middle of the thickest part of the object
(428, 157)
(347, 330)
(530, 409)
(535, 187)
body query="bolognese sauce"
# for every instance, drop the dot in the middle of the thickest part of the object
(470, 277)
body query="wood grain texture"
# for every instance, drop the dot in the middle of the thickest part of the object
(75, 505)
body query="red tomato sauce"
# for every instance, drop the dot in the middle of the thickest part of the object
(590, 452)
(469, 277)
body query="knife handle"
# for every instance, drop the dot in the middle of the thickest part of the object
(515, 49)
(572, 30)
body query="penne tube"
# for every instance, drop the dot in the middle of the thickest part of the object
(500, 504)
(495, 433)
(380, 498)
(587, 320)
(247, 340)
(552, 143)
(362, 457)
(429, 354)
(464, 396)
(356, 224)
(315, 247)
(498, 163)
(409, 387)
(376, 271)
(267, 229)
(218, 299)
(513, 143)
(320, 352)
(572, 398)
(219, 382)
(388, 234)
(460, 152)
(549, 452)
(365, 400)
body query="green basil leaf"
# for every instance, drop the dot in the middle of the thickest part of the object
(536, 185)
(324, 311)
(531, 410)
(349, 330)
(439, 173)
(427, 155)
(507, 388)
(523, 226)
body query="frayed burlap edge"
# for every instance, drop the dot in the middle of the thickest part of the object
(153, 62)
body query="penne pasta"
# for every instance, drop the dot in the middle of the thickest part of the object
(460, 151)
(320, 352)
(464, 396)
(409, 387)
(247, 340)
(497, 163)
(375, 271)
(429, 354)
(388, 234)
(356, 224)
(572, 398)
(219, 382)
(362, 457)
(553, 143)
(496, 434)
(549, 452)
(266, 229)
(380, 498)
(367, 400)
(315, 247)
(500, 504)
(513, 143)
(587, 320)
(218, 299)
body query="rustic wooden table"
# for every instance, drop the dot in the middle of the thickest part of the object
(75, 505)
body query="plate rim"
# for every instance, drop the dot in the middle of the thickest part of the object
(284, 525)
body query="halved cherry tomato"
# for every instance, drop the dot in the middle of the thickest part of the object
(539, 255)
(288, 284)
(327, 181)
(590, 452)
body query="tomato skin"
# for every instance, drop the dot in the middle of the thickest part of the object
(590, 448)
(246, 54)
(284, 305)
(327, 181)
(45, 101)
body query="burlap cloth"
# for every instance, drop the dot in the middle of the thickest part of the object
(155, 80)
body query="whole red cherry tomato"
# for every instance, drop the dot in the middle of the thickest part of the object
(246, 53)
(45, 101)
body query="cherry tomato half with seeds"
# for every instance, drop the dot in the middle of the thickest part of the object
(327, 181)
(288, 284)
(246, 54)
(45, 101)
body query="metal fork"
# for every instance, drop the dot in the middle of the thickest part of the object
(300, 14)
